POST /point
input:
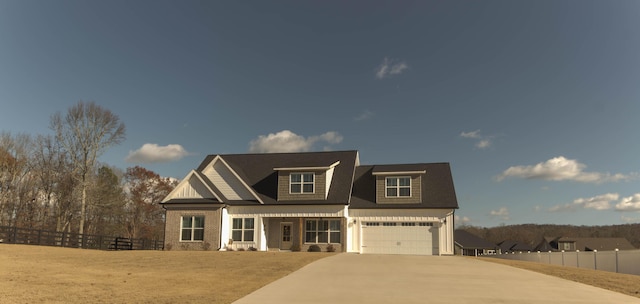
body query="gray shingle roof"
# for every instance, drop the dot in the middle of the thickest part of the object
(468, 240)
(257, 170)
(437, 186)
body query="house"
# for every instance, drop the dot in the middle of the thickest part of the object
(467, 243)
(508, 246)
(583, 244)
(292, 201)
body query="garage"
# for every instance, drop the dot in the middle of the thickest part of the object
(420, 238)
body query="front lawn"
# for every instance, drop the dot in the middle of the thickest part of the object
(42, 274)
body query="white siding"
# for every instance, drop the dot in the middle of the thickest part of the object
(289, 211)
(442, 220)
(225, 181)
(329, 176)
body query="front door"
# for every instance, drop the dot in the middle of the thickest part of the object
(285, 236)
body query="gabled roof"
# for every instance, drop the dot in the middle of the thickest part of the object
(437, 186)
(194, 186)
(467, 240)
(507, 246)
(259, 172)
(590, 244)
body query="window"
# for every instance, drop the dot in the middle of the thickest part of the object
(301, 182)
(566, 246)
(322, 231)
(192, 228)
(398, 186)
(242, 230)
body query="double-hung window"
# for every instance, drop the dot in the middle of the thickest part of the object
(242, 230)
(398, 186)
(192, 228)
(322, 231)
(301, 182)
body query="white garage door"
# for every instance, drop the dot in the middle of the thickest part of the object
(399, 238)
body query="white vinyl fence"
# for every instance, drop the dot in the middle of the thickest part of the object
(623, 261)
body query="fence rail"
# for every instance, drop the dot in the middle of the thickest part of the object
(621, 261)
(15, 235)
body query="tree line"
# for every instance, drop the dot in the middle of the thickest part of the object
(55, 181)
(533, 234)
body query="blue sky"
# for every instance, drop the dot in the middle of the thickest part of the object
(534, 103)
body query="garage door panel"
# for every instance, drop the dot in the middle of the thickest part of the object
(399, 238)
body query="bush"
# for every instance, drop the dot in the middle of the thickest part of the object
(314, 248)
(330, 248)
(253, 248)
(240, 249)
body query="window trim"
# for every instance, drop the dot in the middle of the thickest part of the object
(397, 187)
(302, 182)
(328, 231)
(243, 229)
(192, 228)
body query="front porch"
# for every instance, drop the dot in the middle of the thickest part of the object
(299, 234)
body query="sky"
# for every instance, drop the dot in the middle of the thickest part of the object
(535, 104)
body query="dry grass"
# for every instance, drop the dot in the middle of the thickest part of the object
(40, 274)
(622, 283)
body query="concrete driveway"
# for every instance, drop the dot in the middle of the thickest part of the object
(355, 278)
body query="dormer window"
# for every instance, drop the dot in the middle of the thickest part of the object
(301, 183)
(398, 186)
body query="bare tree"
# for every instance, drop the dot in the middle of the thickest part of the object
(85, 132)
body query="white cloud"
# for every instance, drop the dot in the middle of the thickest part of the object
(630, 220)
(152, 153)
(390, 67)
(462, 220)
(287, 141)
(561, 169)
(600, 202)
(364, 115)
(473, 134)
(483, 141)
(631, 203)
(502, 213)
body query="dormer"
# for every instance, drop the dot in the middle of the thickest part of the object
(304, 183)
(395, 186)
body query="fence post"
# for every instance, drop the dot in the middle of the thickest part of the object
(562, 257)
(616, 260)
(578, 258)
(595, 259)
(549, 257)
(15, 235)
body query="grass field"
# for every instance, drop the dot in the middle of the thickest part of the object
(42, 274)
(618, 282)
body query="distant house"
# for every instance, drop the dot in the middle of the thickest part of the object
(514, 246)
(312, 201)
(583, 244)
(467, 243)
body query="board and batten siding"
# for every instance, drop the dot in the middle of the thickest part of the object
(193, 189)
(416, 190)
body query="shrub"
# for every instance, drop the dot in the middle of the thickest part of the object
(240, 249)
(314, 248)
(330, 248)
(206, 246)
(253, 248)
(168, 247)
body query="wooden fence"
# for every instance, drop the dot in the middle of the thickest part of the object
(15, 235)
